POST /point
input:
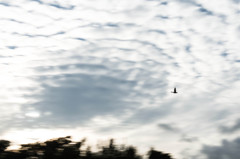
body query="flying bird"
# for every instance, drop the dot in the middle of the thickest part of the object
(175, 90)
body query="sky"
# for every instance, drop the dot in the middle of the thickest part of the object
(105, 69)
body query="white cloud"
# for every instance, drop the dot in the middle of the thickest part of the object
(113, 64)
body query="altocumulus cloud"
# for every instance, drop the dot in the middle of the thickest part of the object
(109, 65)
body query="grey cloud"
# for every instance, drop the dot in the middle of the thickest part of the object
(116, 68)
(164, 3)
(158, 31)
(236, 1)
(149, 115)
(238, 61)
(161, 2)
(168, 127)
(12, 20)
(201, 8)
(186, 138)
(188, 48)
(146, 116)
(224, 54)
(143, 42)
(71, 7)
(88, 67)
(12, 47)
(230, 129)
(227, 150)
(204, 10)
(162, 17)
(112, 24)
(80, 97)
(109, 25)
(81, 39)
(40, 35)
(55, 5)
(4, 4)
(38, 1)
(191, 2)
(221, 114)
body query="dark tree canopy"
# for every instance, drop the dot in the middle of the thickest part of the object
(65, 148)
(153, 154)
(4, 144)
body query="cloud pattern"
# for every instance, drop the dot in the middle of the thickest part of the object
(227, 149)
(84, 63)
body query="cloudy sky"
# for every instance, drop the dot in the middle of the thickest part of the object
(106, 68)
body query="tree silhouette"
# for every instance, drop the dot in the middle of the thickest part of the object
(64, 148)
(3, 145)
(153, 154)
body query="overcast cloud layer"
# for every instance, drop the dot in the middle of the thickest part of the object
(107, 67)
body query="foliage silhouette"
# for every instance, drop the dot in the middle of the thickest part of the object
(3, 145)
(65, 148)
(153, 154)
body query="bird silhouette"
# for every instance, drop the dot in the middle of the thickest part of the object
(175, 90)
